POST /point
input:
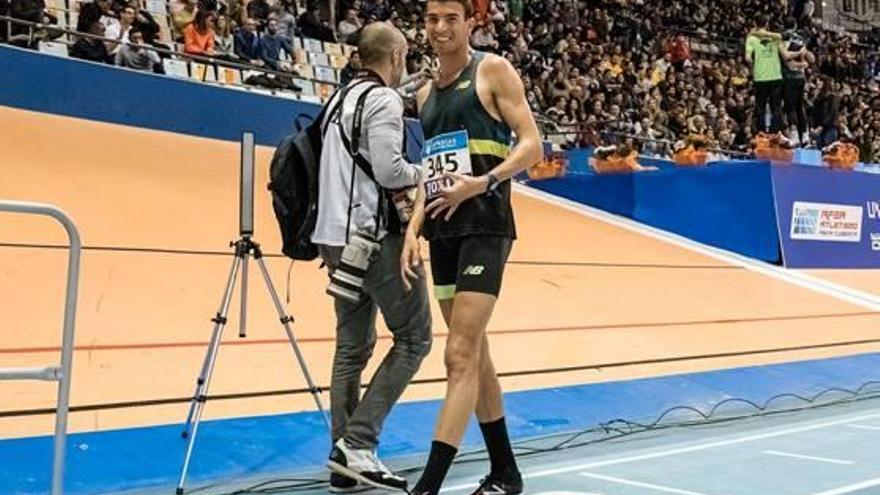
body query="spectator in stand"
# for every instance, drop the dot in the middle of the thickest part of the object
(31, 11)
(375, 10)
(483, 38)
(285, 14)
(198, 36)
(762, 51)
(183, 18)
(312, 25)
(224, 41)
(795, 60)
(90, 48)
(679, 49)
(137, 57)
(259, 11)
(118, 31)
(147, 26)
(826, 112)
(351, 69)
(350, 25)
(92, 12)
(271, 45)
(247, 43)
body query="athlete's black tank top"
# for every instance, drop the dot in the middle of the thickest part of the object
(457, 107)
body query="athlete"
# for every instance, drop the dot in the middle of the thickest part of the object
(468, 113)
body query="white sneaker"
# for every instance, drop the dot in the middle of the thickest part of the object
(363, 466)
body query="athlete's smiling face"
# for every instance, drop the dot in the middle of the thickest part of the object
(449, 28)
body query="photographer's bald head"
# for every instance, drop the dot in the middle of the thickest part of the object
(382, 49)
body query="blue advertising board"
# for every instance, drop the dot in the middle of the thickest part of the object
(827, 218)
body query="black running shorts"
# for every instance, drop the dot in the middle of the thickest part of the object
(473, 263)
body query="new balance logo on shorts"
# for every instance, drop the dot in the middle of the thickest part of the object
(474, 270)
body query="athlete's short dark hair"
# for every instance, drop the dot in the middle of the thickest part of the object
(467, 4)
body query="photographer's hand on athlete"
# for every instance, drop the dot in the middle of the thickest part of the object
(457, 188)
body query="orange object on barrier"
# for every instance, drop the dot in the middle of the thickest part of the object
(843, 156)
(615, 163)
(774, 147)
(551, 167)
(690, 156)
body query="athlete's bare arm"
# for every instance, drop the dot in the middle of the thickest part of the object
(411, 257)
(508, 103)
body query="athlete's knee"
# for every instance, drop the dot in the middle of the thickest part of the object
(462, 356)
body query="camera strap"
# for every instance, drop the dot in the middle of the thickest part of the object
(353, 148)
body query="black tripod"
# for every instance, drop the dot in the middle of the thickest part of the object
(244, 247)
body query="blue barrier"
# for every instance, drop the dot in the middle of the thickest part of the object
(828, 218)
(76, 88)
(727, 204)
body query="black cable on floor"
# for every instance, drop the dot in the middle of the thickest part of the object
(621, 428)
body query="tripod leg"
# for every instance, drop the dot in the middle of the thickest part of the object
(286, 320)
(219, 321)
(198, 401)
(242, 322)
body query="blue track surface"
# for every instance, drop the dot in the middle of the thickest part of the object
(141, 457)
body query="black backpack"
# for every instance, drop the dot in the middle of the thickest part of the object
(293, 177)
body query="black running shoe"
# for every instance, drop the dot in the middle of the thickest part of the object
(495, 485)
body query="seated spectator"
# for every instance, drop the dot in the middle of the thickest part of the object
(198, 36)
(89, 48)
(147, 26)
(30, 11)
(224, 41)
(92, 12)
(483, 38)
(312, 25)
(183, 18)
(285, 14)
(351, 69)
(118, 31)
(137, 57)
(271, 45)
(247, 43)
(375, 10)
(350, 25)
(259, 11)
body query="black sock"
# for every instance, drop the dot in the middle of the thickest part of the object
(500, 451)
(439, 462)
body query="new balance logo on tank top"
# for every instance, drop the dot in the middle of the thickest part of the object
(461, 136)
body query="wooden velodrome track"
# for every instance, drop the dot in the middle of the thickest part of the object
(578, 292)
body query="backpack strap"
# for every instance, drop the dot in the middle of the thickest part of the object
(353, 145)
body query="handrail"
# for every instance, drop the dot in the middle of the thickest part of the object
(53, 373)
(194, 57)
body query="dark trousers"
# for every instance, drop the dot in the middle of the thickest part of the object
(407, 314)
(795, 109)
(768, 92)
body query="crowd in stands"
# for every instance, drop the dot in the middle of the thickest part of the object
(650, 72)
(647, 72)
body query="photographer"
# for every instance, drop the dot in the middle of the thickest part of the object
(363, 176)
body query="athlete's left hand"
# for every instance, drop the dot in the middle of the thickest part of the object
(459, 189)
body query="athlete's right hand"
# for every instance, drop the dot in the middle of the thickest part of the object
(410, 259)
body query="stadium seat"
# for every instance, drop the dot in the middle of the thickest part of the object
(333, 49)
(229, 75)
(326, 74)
(53, 48)
(175, 68)
(308, 87)
(312, 45)
(320, 59)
